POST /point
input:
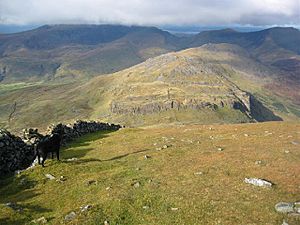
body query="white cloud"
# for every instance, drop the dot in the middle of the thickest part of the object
(151, 12)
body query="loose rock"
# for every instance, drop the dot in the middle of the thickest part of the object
(285, 207)
(198, 173)
(50, 176)
(72, 159)
(137, 184)
(14, 206)
(258, 182)
(85, 208)
(61, 179)
(91, 182)
(41, 220)
(70, 216)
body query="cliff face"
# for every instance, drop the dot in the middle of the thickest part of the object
(194, 80)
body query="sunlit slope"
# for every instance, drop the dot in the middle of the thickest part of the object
(188, 182)
(210, 84)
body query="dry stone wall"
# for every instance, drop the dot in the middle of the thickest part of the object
(17, 153)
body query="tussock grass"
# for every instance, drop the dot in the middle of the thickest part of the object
(169, 191)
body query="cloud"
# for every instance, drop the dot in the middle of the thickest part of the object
(151, 12)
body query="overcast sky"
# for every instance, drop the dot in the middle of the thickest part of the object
(151, 12)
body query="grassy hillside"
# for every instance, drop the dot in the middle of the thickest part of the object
(187, 182)
(200, 85)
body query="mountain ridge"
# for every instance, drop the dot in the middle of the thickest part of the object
(37, 54)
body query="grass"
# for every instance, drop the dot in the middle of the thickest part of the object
(193, 75)
(169, 192)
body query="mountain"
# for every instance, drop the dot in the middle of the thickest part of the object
(214, 83)
(271, 46)
(246, 77)
(82, 51)
(78, 50)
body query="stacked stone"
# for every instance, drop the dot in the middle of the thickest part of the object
(15, 154)
(32, 136)
(18, 154)
(79, 128)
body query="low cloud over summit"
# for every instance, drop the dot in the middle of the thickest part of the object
(154, 12)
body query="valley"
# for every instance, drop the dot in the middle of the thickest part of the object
(200, 115)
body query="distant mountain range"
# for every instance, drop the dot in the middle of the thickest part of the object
(237, 76)
(68, 51)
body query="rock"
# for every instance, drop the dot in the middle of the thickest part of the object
(137, 169)
(72, 159)
(258, 182)
(70, 216)
(260, 163)
(174, 209)
(286, 151)
(166, 146)
(147, 157)
(137, 184)
(146, 207)
(284, 223)
(106, 222)
(85, 208)
(297, 207)
(62, 179)
(158, 149)
(295, 143)
(14, 206)
(50, 176)
(107, 188)
(220, 149)
(284, 207)
(246, 135)
(198, 173)
(90, 182)
(41, 220)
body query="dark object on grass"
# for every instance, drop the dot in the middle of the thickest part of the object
(49, 144)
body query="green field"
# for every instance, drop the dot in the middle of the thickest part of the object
(188, 182)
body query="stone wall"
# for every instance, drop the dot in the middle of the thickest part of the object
(17, 153)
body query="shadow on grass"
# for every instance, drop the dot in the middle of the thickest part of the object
(11, 221)
(77, 149)
(81, 161)
(15, 191)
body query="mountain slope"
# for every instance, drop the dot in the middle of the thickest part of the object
(78, 50)
(210, 84)
(82, 51)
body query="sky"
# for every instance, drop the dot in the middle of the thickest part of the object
(152, 12)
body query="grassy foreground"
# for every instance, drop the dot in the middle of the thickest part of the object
(188, 182)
